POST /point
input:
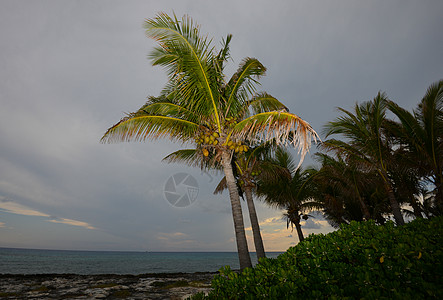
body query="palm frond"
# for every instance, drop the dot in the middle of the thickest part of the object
(150, 127)
(343, 149)
(277, 125)
(189, 157)
(188, 57)
(168, 110)
(193, 158)
(410, 126)
(242, 85)
(223, 55)
(221, 186)
(264, 102)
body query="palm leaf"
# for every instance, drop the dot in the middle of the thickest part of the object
(193, 158)
(188, 58)
(242, 84)
(150, 127)
(277, 125)
(221, 186)
(264, 102)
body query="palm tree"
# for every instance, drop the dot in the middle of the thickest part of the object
(366, 143)
(289, 189)
(421, 137)
(198, 105)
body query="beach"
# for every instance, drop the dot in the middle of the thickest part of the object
(106, 286)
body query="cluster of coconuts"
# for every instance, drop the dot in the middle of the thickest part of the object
(229, 122)
(208, 138)
(238, 147)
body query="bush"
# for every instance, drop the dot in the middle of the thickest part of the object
(360, 261)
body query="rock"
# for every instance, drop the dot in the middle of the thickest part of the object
(107, 286)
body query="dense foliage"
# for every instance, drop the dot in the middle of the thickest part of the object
(361, 260)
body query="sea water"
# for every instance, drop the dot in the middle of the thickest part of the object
(32, 261)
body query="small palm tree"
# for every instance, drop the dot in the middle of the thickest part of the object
(199, 106)
(287, 190)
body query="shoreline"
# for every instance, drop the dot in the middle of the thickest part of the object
(105, 286)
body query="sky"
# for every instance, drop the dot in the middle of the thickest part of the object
(71, 69)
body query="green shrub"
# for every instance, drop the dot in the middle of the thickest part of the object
(359, 261)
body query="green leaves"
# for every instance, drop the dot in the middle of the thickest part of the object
(188, 58)
(361, 260)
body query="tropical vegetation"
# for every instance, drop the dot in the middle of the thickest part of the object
(361, 260)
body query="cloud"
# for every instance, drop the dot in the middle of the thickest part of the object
(72, 222)
(18, 209)
(273, 221)
(310, 224)
(172, 236)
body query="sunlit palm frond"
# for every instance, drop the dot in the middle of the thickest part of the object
(168, 110)
(277, 125)
(264, 102)
(150, 127)
(242, 85)
(189, 59)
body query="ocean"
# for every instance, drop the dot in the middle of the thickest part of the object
(33, 261)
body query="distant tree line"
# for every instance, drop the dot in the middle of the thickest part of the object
(372, 167)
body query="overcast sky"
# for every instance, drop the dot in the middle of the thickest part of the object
(71, 69)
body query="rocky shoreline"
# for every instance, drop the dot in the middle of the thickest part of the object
(107, 286)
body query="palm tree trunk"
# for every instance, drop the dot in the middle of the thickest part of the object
(299, 232)
(364, 208)
(391, 197)
(439, 192)
(240, 235)
(294, 214)
(416, 208)
(258, 241)
(394, 206)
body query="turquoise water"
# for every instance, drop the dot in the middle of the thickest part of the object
(31, 261)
